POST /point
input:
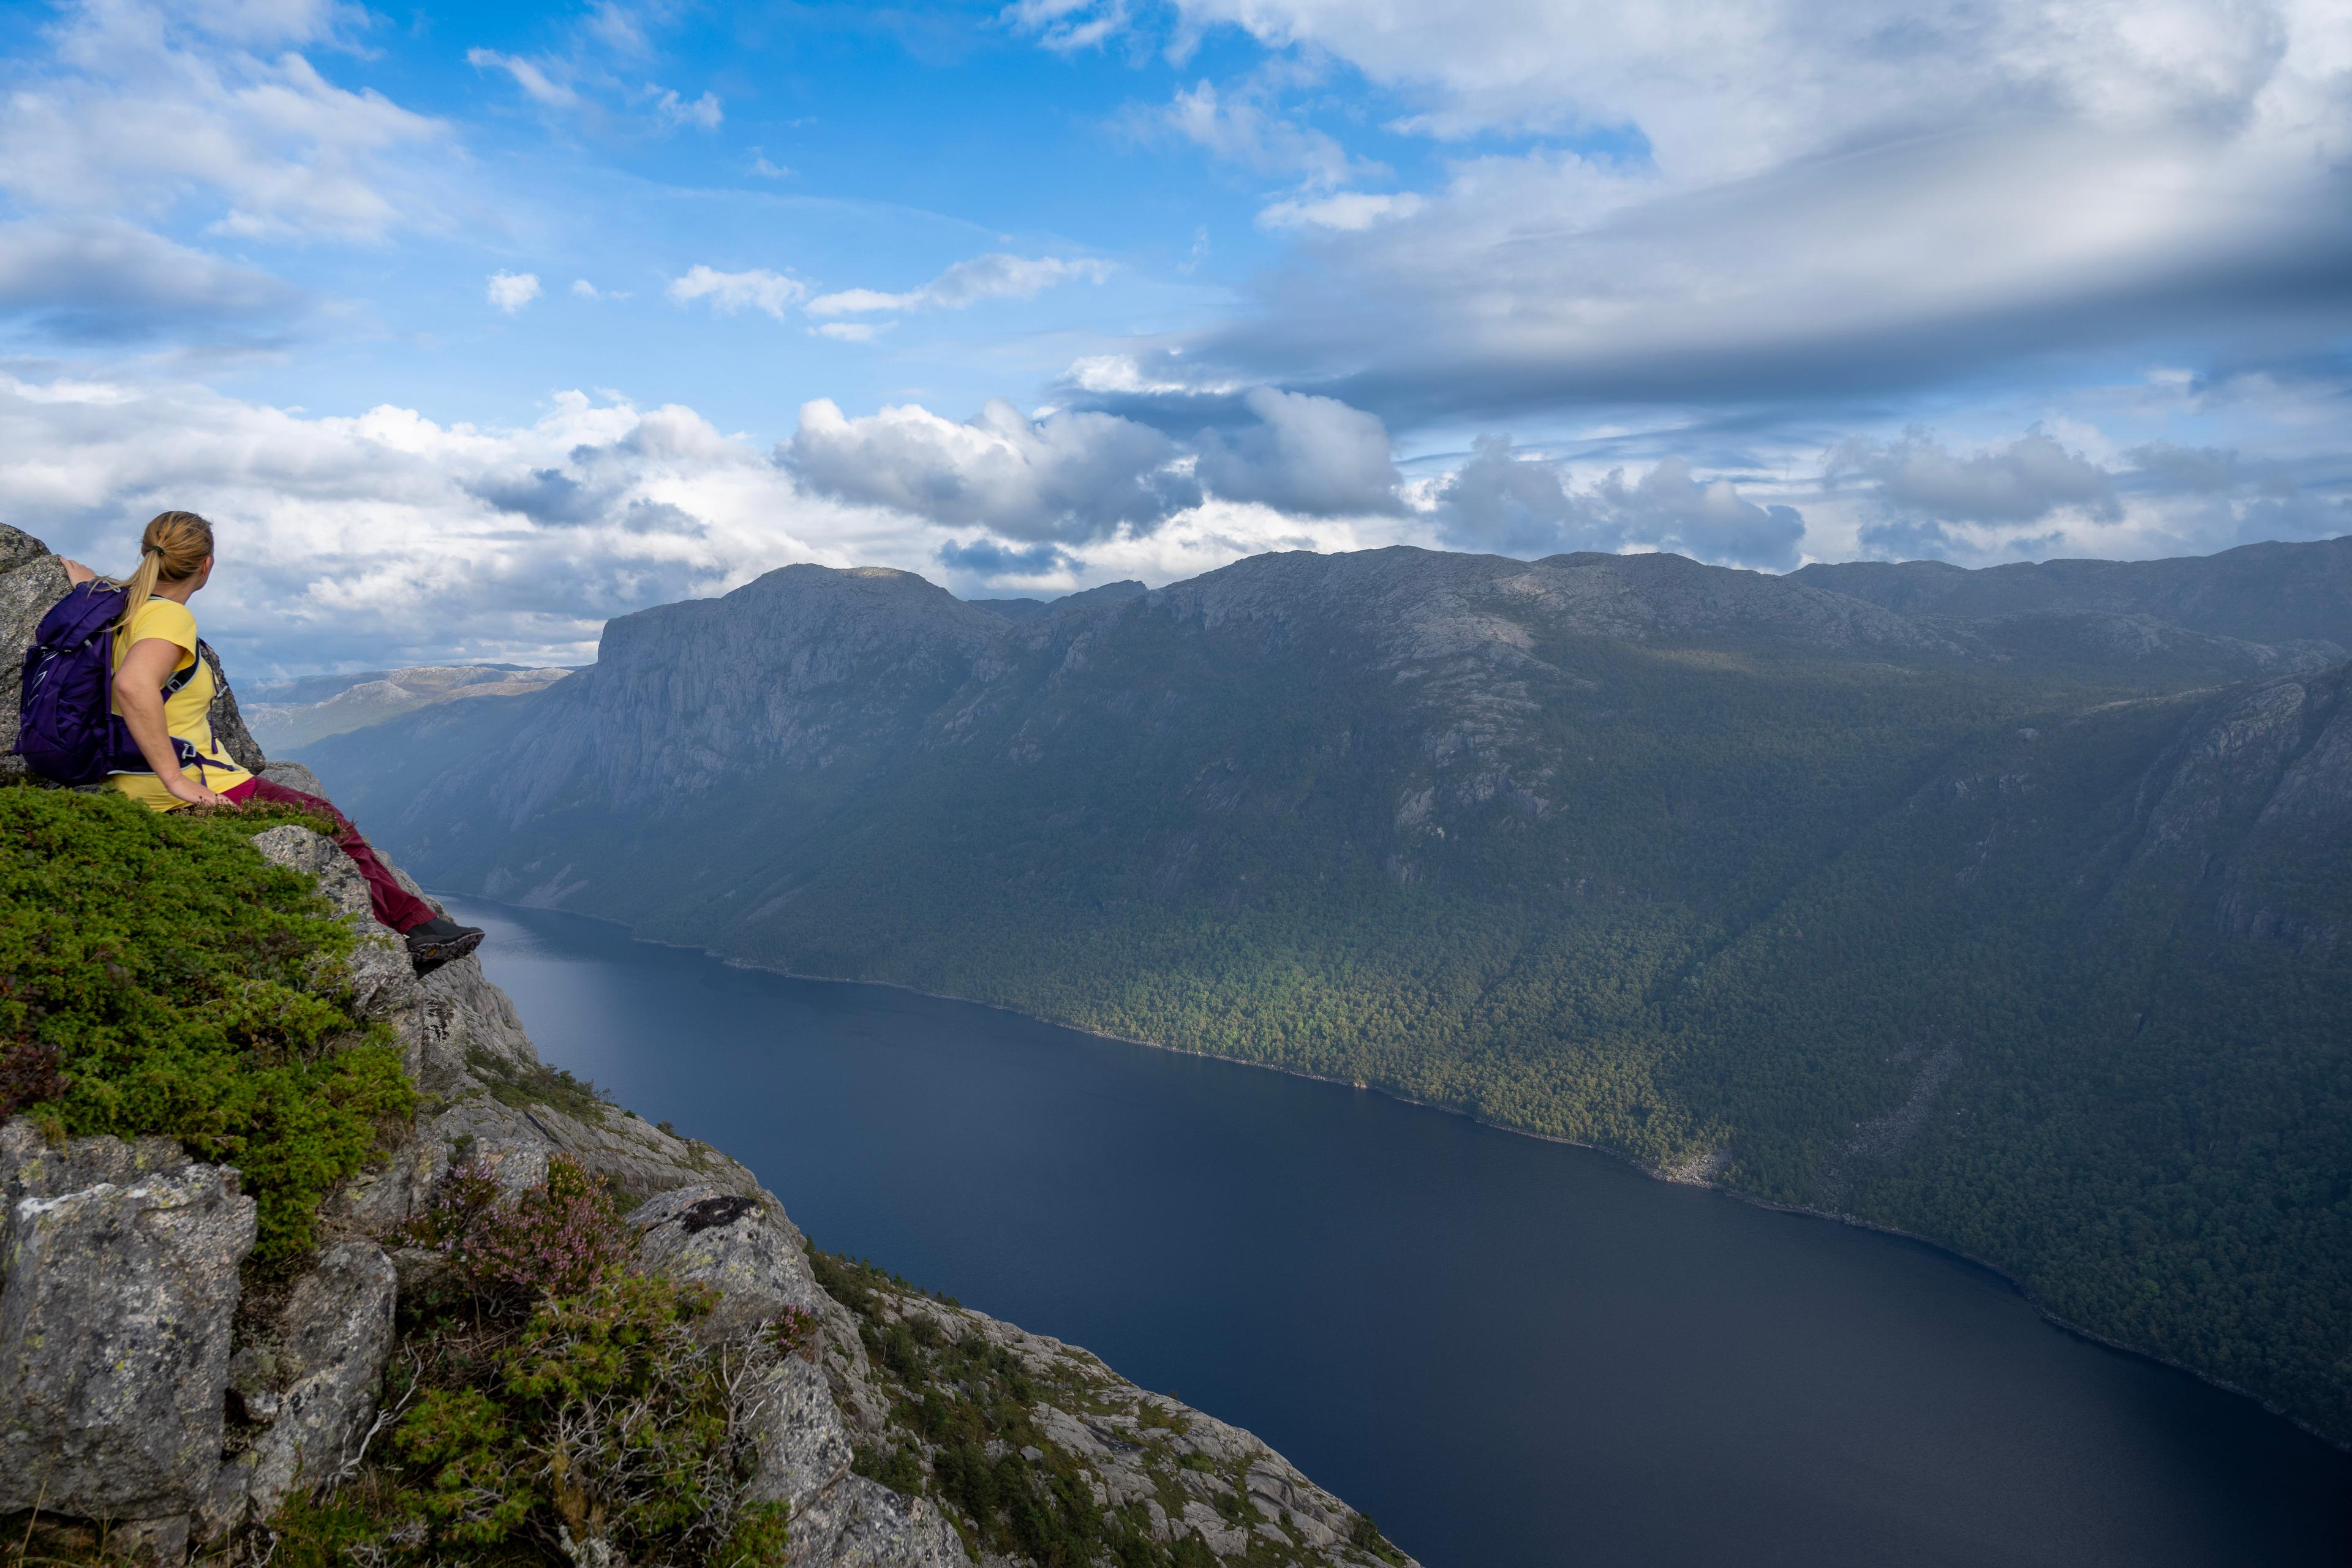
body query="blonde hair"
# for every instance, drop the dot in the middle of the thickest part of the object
(173, 548)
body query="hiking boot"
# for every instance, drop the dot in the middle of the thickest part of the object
(439, 941)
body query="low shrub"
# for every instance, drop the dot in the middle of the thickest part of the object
(557, 1238)
(157, 977)
(563, 1406)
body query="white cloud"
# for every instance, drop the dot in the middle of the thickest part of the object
(1922, 498)
(992, 277)
(1242, 127)
(510, 291)
(1350, 211)
(388, 538)
(1501, 501)
(703, 112)
(1724, 88)
(536, 84)
(853, 331)
(1068, 26)
(1069, 478)
(214, 114)
(765, 169)
(760, 289)
(1308, 456)
(1738, 201)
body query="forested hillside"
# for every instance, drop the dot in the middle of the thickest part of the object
(2026, 930)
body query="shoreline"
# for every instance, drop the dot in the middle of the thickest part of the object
(2090, 1336)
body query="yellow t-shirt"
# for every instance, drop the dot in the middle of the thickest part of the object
(187, 713)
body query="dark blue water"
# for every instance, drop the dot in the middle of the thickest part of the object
(1508, 1352)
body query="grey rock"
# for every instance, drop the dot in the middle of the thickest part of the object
(318, 858)
(228, 725)
(33, 1166)
(740, 1245)
(805, 1445)
(860, 1523)
(18, 548)
(1134, 1448)
(115, 1323)
(293, 777)
(31, 581)
(332, 1338)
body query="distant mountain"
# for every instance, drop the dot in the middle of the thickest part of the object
(291, 713)
(1031, 609)
(2031, 931)
(2258, 593)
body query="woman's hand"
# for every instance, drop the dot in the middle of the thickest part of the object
(76, 572)
(182, 787)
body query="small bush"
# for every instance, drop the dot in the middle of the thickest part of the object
(558, 1238)
(157, 977)
(579, 1412)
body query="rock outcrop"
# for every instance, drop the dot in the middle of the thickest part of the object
(118, 1292)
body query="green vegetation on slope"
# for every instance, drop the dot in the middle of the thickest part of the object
(158, 977)
(551, 1404)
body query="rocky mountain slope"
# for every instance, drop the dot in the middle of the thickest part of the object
(290, 714)
(2023, 930)
(160, 1387)
(2256, 593)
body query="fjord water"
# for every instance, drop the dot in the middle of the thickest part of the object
(1506, 1351)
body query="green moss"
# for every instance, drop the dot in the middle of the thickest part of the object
(174, 983)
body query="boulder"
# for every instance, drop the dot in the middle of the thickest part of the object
(31, 580)
(314, 1375)
(116, 1300)
(740, 1244)
(229, 724)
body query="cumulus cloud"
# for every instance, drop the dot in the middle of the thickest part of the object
(1314, 456)
(99, 280)
(215, 112)
(1067, 478)
(703, 113)
(510, 291)
(728, 292)
(992, 277)
(388, 538)
(1500, 502)
(1919, 487)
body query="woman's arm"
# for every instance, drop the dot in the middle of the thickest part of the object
(76, 572)
(139, 694)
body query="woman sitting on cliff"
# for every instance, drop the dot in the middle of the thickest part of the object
(164, 690)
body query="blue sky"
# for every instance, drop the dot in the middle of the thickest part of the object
(473, 326)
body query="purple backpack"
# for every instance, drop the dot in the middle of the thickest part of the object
(67, 729)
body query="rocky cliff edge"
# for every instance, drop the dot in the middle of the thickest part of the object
(156, 1400)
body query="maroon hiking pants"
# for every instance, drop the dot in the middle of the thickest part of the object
(395, 905)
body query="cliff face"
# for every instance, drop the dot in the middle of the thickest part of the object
(156, 1393)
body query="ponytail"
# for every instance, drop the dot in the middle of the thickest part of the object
(173, 548)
